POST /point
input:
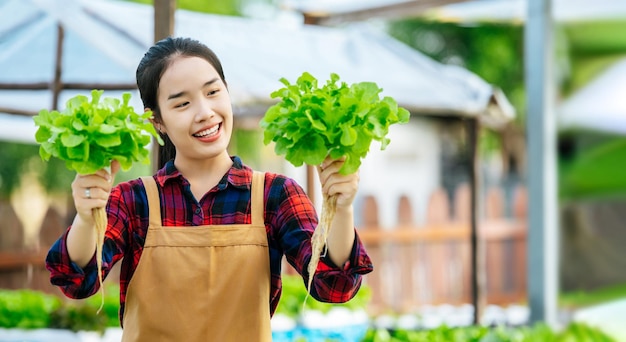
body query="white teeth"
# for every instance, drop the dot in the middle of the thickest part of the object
(207, 132)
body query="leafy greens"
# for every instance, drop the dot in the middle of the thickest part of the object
(312, 122)
(88, 135)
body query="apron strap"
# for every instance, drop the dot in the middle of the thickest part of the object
(256, 202)
(154, 202)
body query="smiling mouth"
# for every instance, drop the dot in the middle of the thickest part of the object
(208, 132)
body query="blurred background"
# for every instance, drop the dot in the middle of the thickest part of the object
(461, 163)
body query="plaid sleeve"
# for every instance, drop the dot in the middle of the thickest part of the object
(297, 220)
(336, 284)
(77, 282)
(74, 281)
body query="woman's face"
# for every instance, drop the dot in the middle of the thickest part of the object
(196, 111)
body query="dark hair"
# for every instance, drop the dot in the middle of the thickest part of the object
(152, 66)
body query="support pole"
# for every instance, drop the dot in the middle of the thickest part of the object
(477, 259)
(57, 83)
(163, 18)
(541, 141)
(164, 11)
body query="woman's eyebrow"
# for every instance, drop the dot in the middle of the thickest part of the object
(180, 94)
(177, 95)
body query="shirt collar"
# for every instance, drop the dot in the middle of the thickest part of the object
(239, 175)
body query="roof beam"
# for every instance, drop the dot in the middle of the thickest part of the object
(391, 11)
(17, 111)
(68, 86)
(71, 15)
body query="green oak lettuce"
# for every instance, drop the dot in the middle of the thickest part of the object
(335, 119)
(89, 134)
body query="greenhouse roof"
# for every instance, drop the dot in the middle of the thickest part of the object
(104, 41)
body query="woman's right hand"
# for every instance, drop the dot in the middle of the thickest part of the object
(81, 239)
(92, 191)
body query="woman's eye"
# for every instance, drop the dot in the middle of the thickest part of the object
(212, 92)
(180, 105)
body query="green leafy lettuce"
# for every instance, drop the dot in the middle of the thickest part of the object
(89, 134)
(312, 122)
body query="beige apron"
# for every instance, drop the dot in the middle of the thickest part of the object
(205, 283)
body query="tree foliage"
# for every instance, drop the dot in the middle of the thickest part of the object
(225, 7)
(492, 51)
(19, 159)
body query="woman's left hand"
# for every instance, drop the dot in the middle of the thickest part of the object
(334, 183)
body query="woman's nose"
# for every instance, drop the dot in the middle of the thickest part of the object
(205, 111)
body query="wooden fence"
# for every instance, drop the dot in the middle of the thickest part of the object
(22, 267)
(429, 264)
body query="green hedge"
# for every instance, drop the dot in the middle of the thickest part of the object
(26, 309)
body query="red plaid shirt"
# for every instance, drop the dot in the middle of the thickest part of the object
(290, 220)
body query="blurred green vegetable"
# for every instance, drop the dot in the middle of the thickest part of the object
(574, 332)
(294, 292)
(29, 309)
(26, 309)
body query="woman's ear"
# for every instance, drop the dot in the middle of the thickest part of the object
(157, 125)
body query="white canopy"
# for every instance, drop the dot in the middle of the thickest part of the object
(599, 105)
(104, 41)
(507, 10)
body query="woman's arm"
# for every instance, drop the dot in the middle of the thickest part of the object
(89, 192)
(341, 235)
(293, 219)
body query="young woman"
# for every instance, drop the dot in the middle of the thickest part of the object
(201, 241)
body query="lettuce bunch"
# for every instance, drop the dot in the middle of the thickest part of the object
(335, 119)
(89, 134)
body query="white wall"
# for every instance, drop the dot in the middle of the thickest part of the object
(408, 166)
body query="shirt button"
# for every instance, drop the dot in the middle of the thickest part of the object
(198, 211)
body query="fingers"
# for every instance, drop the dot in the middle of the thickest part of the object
(334, 183)
(329, 167)
(115, 168)
(92, 191)
(332, 163)
(94, 194)
(100, 180)
(337, 183)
